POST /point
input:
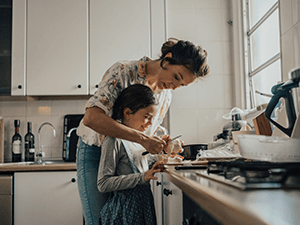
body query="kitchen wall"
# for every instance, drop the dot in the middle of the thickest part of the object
(197, 110)
(290, 37)
(38, 112)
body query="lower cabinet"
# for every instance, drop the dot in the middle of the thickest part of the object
(47, 198)
(168, 201)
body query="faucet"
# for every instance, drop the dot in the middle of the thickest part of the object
(40, 153)
(70, 131)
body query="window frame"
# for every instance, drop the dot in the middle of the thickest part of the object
(244, 94)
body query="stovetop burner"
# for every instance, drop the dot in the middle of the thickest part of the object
(245, 174)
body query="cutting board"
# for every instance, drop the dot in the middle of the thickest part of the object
(262, 125)
(1, 141)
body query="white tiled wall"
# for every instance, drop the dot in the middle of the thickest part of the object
(290, 37)
(196, 111)
(38, 112)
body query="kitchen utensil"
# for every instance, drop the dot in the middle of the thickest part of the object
(190, 167)
(284, 90)
(262, 125)
(266, 148)
(191, 151)
(234, 125)
(145, 153)
(70, 138)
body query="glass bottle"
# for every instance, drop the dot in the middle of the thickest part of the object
(17, 143)
(29, 144)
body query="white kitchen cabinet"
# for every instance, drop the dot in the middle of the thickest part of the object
(18, 59)
(123, 30)
(172, 202)
(63, 47)
(156, 187)
(46, 198)
(50, 56)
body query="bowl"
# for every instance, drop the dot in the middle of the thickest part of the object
(269, 148)
(191, 151)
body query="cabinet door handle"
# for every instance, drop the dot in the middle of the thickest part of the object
(19, 86)
(96, 86)
(158, 183)
(73, 180)
(167, 192)
(79, 86)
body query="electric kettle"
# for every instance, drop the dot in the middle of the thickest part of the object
(284, 90)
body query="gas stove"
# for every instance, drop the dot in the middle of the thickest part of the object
(248, 174)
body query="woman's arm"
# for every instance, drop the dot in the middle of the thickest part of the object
(96, 119)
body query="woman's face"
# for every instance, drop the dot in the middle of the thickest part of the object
(174, 76)
(141, 119)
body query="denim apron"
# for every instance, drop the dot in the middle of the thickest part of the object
(131, 206)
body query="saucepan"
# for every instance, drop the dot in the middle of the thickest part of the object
(192, 150)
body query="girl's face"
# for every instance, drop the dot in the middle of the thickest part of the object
(174, 76)
(141, 119)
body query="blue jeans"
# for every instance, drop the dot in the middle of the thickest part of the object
(92, 201)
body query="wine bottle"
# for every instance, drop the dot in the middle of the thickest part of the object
(29, 144)
(17, 143)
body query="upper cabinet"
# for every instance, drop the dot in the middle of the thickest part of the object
(123, 30)
(50, 47)
(64, 47)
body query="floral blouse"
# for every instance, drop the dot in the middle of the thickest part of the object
(118, 77)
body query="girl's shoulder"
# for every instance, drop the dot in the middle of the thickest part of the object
(111, 143)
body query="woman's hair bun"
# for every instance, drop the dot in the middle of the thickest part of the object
(187, 54)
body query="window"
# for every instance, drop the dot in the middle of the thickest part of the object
(262, 54)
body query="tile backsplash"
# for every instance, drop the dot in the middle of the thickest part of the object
(196, 111)
(39, 112)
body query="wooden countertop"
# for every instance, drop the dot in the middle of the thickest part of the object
(50, 166)
(233, 206)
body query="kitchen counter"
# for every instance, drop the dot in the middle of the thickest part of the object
(47, 166)
(233, 206)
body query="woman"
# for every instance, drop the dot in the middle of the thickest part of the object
(123, 169)
(179, 65)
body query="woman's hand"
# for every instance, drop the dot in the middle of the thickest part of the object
(154, 144)
(149, 175)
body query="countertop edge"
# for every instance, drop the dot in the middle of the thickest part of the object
(32, 168)
(222, 208)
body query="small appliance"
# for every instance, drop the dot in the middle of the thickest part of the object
(70, 138)
(284, 90)
(235, 124)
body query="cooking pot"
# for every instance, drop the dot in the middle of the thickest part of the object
(191, 151)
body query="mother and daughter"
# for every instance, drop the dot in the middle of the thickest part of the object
(119, 124)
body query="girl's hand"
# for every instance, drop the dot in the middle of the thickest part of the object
(157, 167)
(154, 144)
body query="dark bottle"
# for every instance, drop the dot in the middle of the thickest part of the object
(29, 144)
(17, 143)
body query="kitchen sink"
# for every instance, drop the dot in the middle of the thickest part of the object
(46, 162)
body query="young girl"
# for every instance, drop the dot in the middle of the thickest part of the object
(123, 169)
